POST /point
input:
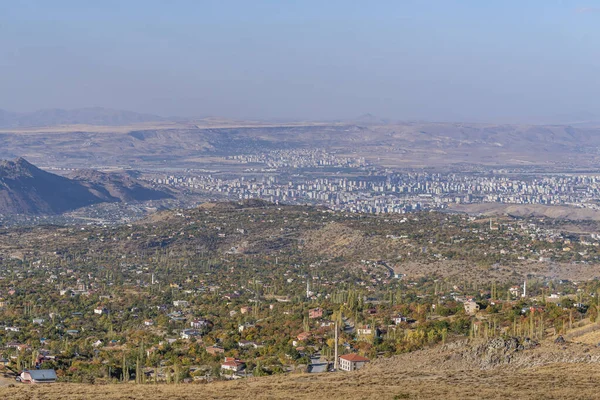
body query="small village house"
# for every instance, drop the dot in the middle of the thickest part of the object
(315, 313)
(352, 362)
(38, 376)
(471, 307)
(190, 333)
(100, 310)
(246, 309)
(201, 323)
(232, 364)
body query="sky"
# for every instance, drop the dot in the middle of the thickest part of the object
(439, 60)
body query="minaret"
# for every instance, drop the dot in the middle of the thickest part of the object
(307, 288)
(335, 361)
(153, 279)
(524, 288)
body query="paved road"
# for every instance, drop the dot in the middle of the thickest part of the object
(317, 364)
(390, 269)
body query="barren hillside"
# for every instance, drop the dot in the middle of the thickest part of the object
(401, 144)
(498, 369)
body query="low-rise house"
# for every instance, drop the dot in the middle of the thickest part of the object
(175, 314)
(24, 347)
(190, 333)
(231, 296)
(401, 318)
(181, 303)
(148, 322)
(247, 343)
(246, 310)
(244, 326)
(38, 321)
(471, 307)
(201, 323)
(366, 332)
(351, 362)
(100, 310)
(38, 376)
(304, 336)
(232, 364)
(315, 313)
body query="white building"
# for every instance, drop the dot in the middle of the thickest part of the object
(351, 362)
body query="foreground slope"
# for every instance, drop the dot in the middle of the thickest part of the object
(490, 370)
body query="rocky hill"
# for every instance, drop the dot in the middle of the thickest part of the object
(116, 187)
(26, 189)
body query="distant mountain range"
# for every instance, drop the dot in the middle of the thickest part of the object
(86, 116)
(26, 189)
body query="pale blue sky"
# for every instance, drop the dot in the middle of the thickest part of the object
(422, 59)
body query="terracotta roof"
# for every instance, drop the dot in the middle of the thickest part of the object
(235, 363)
(354, 358)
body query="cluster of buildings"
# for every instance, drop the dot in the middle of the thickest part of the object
(380, 192)
(299, 158)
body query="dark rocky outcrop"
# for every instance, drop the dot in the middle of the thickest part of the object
(26, 189)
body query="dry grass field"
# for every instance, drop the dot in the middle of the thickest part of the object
(551, 371)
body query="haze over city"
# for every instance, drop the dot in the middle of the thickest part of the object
(493, 61)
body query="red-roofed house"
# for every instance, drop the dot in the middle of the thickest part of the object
(233, 364)
(351, 362)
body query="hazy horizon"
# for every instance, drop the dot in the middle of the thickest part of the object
(411, 60)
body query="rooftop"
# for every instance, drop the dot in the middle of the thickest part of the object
(354, 358)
